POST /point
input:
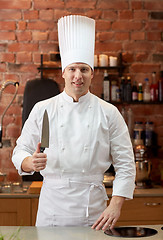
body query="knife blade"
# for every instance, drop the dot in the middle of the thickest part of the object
(45, 132)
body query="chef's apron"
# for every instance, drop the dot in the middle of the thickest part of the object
(71, 200)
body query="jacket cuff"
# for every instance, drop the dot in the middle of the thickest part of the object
(123, 188)
(21, 155)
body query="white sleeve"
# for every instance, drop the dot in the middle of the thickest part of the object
(123, 157)
(26, 144)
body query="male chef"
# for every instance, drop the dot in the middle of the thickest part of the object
(87, 135)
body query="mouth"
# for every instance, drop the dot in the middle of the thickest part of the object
(77, 84)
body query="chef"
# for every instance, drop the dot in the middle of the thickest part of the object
(87, 135)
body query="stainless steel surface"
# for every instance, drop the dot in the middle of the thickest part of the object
(108, 180)
(143, 167)
(45, 132)
(134, 232)
(68, 233)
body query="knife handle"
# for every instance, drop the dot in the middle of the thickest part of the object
(42, 149)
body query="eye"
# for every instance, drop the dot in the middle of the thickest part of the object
(84, 69)
(71, 69)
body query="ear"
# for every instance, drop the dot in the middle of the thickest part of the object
(63, 74)
(92, 74)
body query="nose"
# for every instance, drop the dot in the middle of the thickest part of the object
(78, 74)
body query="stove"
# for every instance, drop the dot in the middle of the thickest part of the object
(131, 232)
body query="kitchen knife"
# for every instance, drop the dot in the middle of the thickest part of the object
(45, 132)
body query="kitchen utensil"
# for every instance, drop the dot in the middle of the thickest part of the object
(143, 167)
(2, 177)
(6, 187)
(45, 132)
(108, 180)
(17, 187)
(129, 232)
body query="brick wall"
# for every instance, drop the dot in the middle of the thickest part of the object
(29, 27)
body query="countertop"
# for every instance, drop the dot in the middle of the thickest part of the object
(35, 187)
(68, 233)
(156, 191)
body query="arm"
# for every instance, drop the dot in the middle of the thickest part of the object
(110, 215)
(36, 162)
(123, 161)
(27, 148)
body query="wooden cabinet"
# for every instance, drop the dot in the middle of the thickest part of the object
(15, 212)
(142, 210)
(18, 211)
(34, 207)
(139, 211)
(146, 208)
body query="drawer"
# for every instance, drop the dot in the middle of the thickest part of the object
(147, 208)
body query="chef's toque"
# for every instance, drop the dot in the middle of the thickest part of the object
(76, 35)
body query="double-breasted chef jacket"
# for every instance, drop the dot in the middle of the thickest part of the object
(85, 138)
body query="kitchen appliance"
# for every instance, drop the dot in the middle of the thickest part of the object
(131, 232)
(143, 167)
(108, 179)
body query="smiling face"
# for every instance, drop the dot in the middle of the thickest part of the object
(78, 78)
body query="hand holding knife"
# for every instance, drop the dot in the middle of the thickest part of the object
(37, 162)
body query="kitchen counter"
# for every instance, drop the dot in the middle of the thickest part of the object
(35, 187)
(18, 195)
(21, 208)
(156, 191)
(69, 233)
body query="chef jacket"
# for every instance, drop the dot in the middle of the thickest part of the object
(86, 137)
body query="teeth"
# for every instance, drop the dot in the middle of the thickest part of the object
(78, 83)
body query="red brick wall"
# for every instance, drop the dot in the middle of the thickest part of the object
(29, 27)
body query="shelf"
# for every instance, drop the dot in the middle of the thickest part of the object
(48, 68)
(119, 68)
(116, 68)
(135, 103)
(103, 68)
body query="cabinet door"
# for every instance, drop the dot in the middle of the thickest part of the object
(15, 212)
(147, 210)
(34, 207)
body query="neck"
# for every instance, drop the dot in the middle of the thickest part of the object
(75, 96)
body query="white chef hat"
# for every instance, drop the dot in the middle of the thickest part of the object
(76, 35)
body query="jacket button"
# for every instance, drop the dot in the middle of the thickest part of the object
(85, 148)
